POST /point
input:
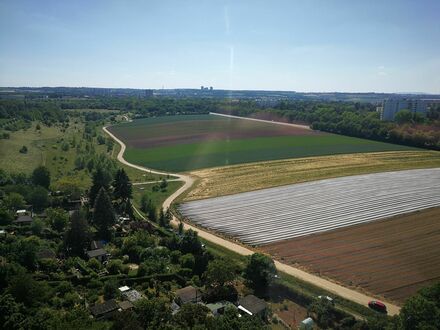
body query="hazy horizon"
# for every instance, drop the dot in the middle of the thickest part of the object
(303, 46)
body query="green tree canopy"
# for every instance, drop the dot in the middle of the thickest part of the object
(220, 272)
(77, 236)
(58, 218)
(153, 313)
(122, 186)
(41, 177)
(100, 180)
(260, 271)
(103, 214)
(14, 201)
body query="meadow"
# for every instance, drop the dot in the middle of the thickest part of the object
(185, 143)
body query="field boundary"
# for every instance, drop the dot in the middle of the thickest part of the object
(334, 288)
(262, 120)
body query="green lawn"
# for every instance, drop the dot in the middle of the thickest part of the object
(156, 197)
(183, 152)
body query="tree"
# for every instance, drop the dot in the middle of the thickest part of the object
(100, 180)
(6, 217)
(220, 272)
(122, 186)
(192, 315)
(11, 313)
(190, 243)
(103, 214)
(77, 236)
(41, 177)
(153, 313)
(14, 201)
(28, 291)
(403, 116)
(418, 312)
(148, 207)
(260, 271)
(58, 218)
(37, 227)
(125, 320)
(39, 198)
(164, 218)
(323, 310)
(23, 150)
(110, 289)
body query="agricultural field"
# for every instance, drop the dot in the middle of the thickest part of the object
(184, 143)
(227, 180)
(392, 258)
(275, 214)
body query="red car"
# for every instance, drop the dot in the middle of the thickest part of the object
(377, 306)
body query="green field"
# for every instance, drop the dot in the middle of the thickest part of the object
(184, 143)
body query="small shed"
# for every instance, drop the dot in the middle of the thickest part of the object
(218, 308)
(187, 295)
(99, 254)
(23, 220)
(132, 295)
(306, 324)
(125, 305)
(252, 305)
(104, 310)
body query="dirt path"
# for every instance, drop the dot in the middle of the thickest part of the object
(334, 288)
(262, 120)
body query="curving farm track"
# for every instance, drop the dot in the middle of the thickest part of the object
(332, 287)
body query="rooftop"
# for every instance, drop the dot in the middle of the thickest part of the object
(188, 294)
(104, 308)
(252, 305)
(96, 253)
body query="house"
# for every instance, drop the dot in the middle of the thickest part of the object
(252, 305)
(218, 308)
(23, 220)
(105, 310)
(125, 305)
(99, 254)
(187, 295)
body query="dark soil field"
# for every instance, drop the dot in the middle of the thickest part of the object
(183, 143)
(166, 131)
(392, 258)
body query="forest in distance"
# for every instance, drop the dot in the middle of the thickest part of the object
(346, 118)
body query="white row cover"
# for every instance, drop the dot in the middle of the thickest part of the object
(270, 215)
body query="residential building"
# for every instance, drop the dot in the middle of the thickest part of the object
(105, 310)
(252, 305)
(187, 295)
(392, 106)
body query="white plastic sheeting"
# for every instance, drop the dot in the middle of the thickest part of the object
(270, 215)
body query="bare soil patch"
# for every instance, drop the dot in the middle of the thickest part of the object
(391, 258)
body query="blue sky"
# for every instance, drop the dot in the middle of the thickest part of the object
(383, 46)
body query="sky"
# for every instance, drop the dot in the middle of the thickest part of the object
(305, 46)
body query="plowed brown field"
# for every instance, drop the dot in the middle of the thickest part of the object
(392, 258)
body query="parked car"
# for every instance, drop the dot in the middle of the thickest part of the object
(377, 306)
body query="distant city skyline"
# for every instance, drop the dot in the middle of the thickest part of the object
(304, 46)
